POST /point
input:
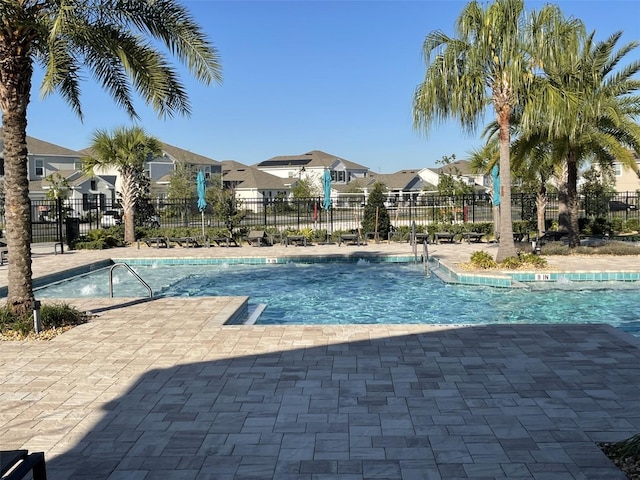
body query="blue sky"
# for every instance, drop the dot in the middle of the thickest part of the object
(336, 76)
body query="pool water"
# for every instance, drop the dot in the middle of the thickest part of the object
(363, 292)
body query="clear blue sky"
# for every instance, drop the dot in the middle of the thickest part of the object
(336, 76)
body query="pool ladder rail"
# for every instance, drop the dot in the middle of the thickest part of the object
(122, 264)
(425, 258)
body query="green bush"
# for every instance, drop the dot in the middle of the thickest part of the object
(482, 261)
(511, 263)
(532, 259)
(632, 225)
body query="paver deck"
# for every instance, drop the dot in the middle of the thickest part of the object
(160, 389)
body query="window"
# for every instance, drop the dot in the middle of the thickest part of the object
(39, 164)
(617, 168)
(94, 185)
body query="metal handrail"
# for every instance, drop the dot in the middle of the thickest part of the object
(122, 264)
(425, 258)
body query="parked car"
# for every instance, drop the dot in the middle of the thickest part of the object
(617, 206)
(153, 221)
(110, 218)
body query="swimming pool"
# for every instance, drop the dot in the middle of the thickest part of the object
(363, 292)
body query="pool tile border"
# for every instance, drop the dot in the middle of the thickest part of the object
(267, 260)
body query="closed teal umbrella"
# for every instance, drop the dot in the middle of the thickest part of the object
(326, 184)
(202, 196)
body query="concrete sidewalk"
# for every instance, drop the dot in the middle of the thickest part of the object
(161, 389)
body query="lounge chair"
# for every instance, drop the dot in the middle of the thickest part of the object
(444, 236)
(257, 238)
(352, 238)
(185, 241)
(422, 237)
(156, 241)
(225, 241)
(21, 463)
(475, 237)
(4, 251)
(295, 240)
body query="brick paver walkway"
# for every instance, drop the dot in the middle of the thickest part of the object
(161, 389)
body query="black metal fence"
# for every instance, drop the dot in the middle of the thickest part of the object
(57, 221)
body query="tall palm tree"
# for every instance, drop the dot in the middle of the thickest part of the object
(108, 38)
(585, 108)
(490, 61)
(126, 150)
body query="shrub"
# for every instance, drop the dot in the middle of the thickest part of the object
(534, 260)
(483, 261)
(52, 316)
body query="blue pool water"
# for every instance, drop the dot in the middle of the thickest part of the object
(365, 292)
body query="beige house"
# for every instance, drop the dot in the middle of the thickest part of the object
(626, 179)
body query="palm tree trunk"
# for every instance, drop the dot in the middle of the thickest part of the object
(541, 207)
(15, 87)
(506, 247)
(128, 207)
(572, 197)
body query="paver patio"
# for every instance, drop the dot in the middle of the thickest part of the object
(161, 389)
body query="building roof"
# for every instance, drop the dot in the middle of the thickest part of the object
(459, 167)
(246, 177)
(403, 180)
(185, 156)
(40, 147)
(177, 154)
(312, 159)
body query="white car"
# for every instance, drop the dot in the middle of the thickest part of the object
(110, 218)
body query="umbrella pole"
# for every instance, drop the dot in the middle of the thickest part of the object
(202, 213)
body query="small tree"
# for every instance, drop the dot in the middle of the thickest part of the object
(59, 186)
(227, 207)
(376, 217)
(182, 188)
(597, 187)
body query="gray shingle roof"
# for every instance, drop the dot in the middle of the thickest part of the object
(244, 176)
(314, 158)
(36, 146)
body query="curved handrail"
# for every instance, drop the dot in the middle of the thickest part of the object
(122, 264)
(425, 258)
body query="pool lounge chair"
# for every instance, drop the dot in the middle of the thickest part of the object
(257, 238)
(4, 251)
(224, 241)
(439, 237)
(185, 242)
(350, 238)
(156, 242)
(17, 464)
(475, 237)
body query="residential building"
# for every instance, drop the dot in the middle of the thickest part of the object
(45, 159)
(627, 179)
(311, 165)
(250, 184)
(159, 169)
(461, 170)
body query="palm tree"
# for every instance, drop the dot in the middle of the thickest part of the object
(126, 150)
(107, 38)
(489, 61)
(585, 108)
